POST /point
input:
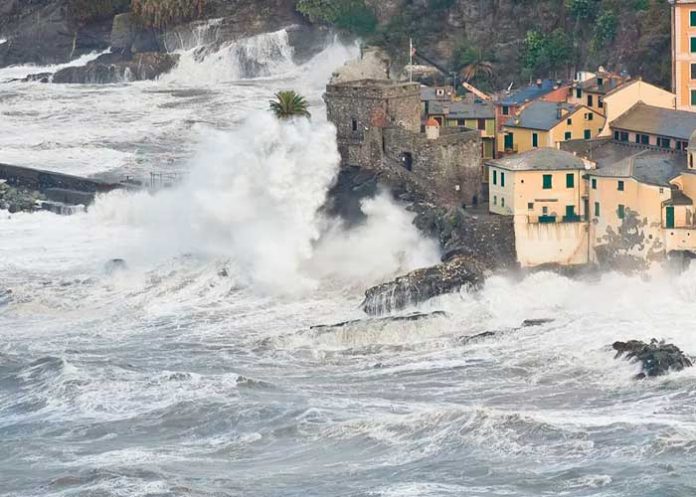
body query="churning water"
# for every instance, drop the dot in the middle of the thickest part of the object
(193, 369)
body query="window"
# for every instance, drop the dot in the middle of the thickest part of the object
(620, 186)
(495, 200)
(570, 180)
(590, 101)
(692, 18)
(354, 124)
(481, 123)
(530, 206)
(693, 97)
(506, 110)
(545, 211)
(495, 177)
(644, 140)
(693, 71)
(692, 44)
(502, 201)
(600, 81)
(461, 122)
(621, 211)
(568, 135)
(578, 93)
(621, 136)
(589, 116)
(594, 183)
(535, 140)
(407, 160)
(547, 181)
(588, 134)
(596, 209)
(502, 179)
(616, 135)
(600, 102)
(569, 122)
(663, 142)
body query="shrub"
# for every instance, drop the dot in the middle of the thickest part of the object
(164, 13)
(86, 11)
(351, 15)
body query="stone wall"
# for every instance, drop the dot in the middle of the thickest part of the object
(39, 180)
(449, 165)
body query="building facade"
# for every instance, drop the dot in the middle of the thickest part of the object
(684, 53)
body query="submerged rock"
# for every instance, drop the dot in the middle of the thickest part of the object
(657, 358)
(423, 284)
(416, 316)
(115, 265)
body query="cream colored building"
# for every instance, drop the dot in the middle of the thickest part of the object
(621, 99)
(546, 124)
(684, 53)
(544, 189)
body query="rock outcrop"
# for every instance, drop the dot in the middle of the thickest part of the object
(657, 357)
(18, 199)
(423, 284)
(116, 68)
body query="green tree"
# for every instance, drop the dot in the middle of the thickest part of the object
(350, 15)
(606, 27)
(289, 104)
(474, 64)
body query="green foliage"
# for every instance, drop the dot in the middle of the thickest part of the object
(583, 9)
(289, 104)
(86, 11)
(605, 28)
(350, 15)
(546, 53)
(164, 13)
(474, 64)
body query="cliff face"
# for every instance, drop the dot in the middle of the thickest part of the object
(632, 35)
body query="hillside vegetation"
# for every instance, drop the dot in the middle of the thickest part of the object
(496, 42)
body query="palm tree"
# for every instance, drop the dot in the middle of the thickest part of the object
(478, 68)
(289, 104)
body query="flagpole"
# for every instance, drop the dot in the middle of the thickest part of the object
(410, 55)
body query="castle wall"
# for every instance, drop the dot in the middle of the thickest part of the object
(449, 165)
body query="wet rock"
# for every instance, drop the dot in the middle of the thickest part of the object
(416, 316)
(116, 68)
(17, 199)
(423, 284)
(42, 77)
(527, 323)
(657, 357)
(115, 265)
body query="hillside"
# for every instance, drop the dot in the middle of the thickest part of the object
(499, 41)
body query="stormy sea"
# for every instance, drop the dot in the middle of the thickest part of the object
(168, 344)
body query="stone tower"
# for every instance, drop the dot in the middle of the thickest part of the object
(361, 110)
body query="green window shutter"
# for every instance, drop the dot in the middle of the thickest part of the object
(570, 180)
(594, 183)
(693, 71)
(495, 177)
(502, 179)
(568, 135)
(621, 211)
(692, 18)
(669, 217)
(620, 186)
(535, 140)
(596, 209)
(547, 181)
(693, 97)
(588, 134)
(692, 41)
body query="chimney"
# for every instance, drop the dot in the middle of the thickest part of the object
(559, 111)
(432, 129)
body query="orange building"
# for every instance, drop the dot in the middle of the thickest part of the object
(684, 53)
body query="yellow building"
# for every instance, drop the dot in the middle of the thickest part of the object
(471, 115)
(684, 53)
(544, 189)
(621, 99)
(546, 124)
(591, 90)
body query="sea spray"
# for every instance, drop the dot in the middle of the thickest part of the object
(254, 196)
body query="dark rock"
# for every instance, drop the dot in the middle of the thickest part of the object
(18, 199)
(423, 284)
(657, 357)
(117, 68)
(130, 37)
(42, 77)
(115, 265)
(417, 316)
(529, 323)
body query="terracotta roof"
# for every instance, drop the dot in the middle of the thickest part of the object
(432, 122)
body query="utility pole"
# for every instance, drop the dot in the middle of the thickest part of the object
(410, 56)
